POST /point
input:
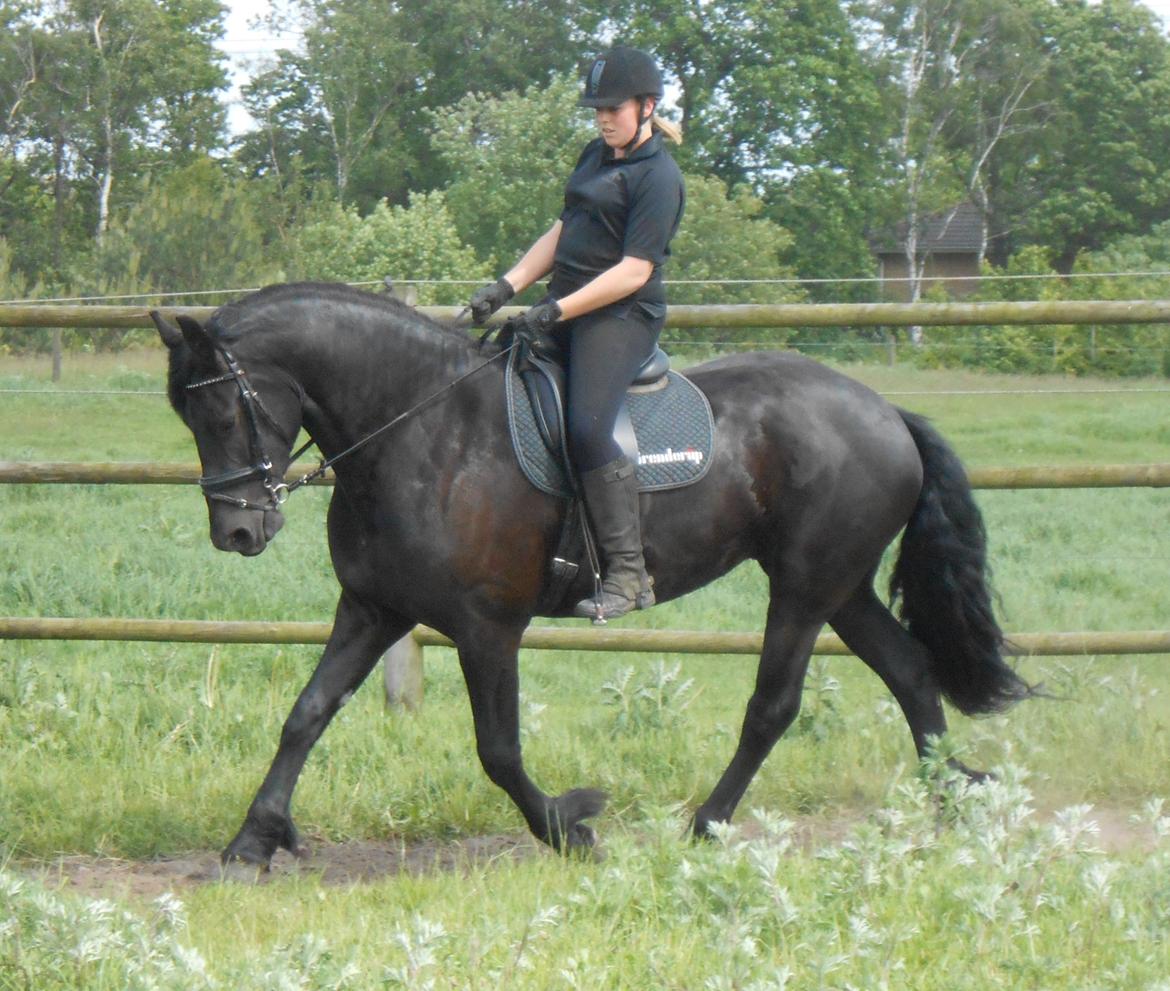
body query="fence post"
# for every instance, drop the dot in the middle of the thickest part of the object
(402, 671)
(56, 354)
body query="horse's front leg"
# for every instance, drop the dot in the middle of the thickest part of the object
(361, 634)
(489, 656)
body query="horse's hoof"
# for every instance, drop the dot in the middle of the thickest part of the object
(972, 775)
(581, 844)
(701, 828)
(241, 871)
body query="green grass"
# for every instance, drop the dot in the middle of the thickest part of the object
(145, 750)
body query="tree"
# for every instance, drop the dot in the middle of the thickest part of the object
(506, 189)
(776, 95)
(1100, 171)
(193, 227)
(351, 106)
(725, 243)
(957, 75)
(96, 92)
(140, 76)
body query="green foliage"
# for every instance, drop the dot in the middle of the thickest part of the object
(727, 236)
(509, 157)
(352, 105)
(418, 241)
(656, 700)
(1109, 350)
(778, 97)
(191, 227)
(1098, 171)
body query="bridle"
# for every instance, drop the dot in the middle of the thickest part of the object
(261, 467)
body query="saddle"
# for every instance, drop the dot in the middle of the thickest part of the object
(665, 426)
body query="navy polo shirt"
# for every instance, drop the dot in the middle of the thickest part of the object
(616, 207)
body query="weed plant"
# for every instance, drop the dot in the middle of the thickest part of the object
(946, 885)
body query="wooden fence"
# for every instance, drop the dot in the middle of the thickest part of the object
(404, 662)
(731, 315)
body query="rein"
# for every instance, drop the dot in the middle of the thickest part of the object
(277, 489)
(328, 463)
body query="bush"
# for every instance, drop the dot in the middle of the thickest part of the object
(418, 241)
(1080, 349)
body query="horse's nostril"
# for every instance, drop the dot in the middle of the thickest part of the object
(241, 539)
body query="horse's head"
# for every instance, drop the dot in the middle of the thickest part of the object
(244, 422)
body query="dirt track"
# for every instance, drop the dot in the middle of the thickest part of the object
(368, 861)
(354, 862)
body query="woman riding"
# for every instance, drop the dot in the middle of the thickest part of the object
(606, 305)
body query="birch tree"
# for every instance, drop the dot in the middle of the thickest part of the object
(959, 76)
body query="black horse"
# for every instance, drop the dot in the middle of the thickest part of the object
(432, 522)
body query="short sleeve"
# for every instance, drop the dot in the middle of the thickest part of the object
(655, 209)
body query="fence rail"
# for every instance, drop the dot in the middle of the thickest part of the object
(178, 473)
(538, 637)
(730, 315)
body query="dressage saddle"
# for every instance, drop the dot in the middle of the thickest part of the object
(543, 373)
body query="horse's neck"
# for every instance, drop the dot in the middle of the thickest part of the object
(358, 376)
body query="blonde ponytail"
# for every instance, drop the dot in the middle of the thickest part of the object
(670, 130)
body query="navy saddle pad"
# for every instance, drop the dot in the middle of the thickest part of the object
(665, 429)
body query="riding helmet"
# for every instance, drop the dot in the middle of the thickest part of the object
(619, 74)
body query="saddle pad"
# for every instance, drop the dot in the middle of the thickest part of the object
(673, 426)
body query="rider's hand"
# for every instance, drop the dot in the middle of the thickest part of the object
(536, 321)
(485, 301)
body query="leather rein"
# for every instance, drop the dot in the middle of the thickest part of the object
(262, 467)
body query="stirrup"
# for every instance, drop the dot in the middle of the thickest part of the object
(609, 605)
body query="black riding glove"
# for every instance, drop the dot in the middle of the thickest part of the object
(536, 321)
(485, 301)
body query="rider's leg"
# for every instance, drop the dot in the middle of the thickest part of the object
(605, 353)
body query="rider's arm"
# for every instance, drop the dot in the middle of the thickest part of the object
(618, 282)
(537, 261)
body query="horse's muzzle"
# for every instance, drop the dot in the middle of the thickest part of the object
(246, 532)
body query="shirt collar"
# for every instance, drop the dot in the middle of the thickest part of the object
(647, 148)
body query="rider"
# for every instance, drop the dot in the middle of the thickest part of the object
(605, 305)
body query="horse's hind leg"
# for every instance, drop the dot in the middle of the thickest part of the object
(360, 635)
(788, 643)
(870, 630)
(489, 658)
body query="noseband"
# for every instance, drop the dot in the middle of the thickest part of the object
(262, 463)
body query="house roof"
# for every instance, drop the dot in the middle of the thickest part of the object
(958, 230)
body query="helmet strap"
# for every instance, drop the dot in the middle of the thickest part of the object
(643, 118)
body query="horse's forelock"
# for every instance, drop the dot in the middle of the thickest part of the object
(178, 376)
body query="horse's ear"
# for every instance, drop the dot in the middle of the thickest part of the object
(196, 336)
(171, 336)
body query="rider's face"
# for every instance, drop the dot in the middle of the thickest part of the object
(619, 124)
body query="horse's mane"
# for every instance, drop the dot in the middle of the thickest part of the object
(257, 310)
(269, 308)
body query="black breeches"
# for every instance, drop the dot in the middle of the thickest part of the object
(605, 353)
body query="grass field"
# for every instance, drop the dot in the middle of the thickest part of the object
(861, 872)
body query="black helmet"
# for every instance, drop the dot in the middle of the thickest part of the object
(618, 75)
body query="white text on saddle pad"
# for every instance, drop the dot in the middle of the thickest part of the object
(671, 456)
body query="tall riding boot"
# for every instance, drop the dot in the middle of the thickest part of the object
(611, 496)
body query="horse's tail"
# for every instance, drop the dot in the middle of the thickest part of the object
(942, 578)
